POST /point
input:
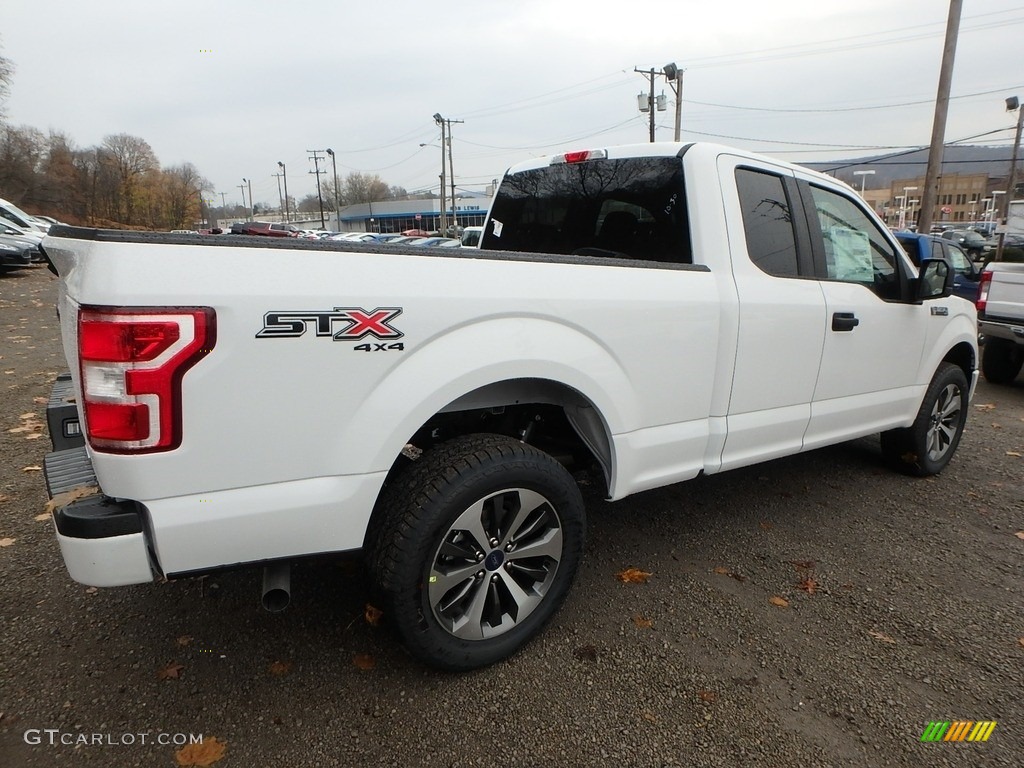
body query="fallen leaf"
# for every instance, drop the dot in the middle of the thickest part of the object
(997, 426)
(1019, 534)
(7, 542)
(40, 518)
(708, 696)
(722, 571)
(633, 576)
(1014, 453)
(63, 499)
(91, 590)
(586, 653)
(184, 641)
(29, 415)
(781, 602)
(649, 716)
(985, 406)
(40, 400)
(171, 672)
(33, 468)
(641, 622)
(373, 615)
(765, 526)
(33, 436)
(3, 497)
(803, 565)
(282, 668)
(808, 585)
(364, 661)
(1021, 641)
(880, 636)
(201, 755)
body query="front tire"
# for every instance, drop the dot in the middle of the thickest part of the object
(926, 447)
(477, 547)
(1001, 361)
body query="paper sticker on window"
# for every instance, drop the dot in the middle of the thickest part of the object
(851, 255)
(496, 228)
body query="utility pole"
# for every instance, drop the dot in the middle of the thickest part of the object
(337, 192)
(223, 204)
(284, 175)
(252, 205)
(242, 187)
(451, 168)
(1012, 104)
(674, 75)
(314, 155)
(279, 198)
(930, 193)
(443, 219)
(648, 103)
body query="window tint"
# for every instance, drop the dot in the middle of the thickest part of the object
(632, 208)
(767, 222)
(855, 249)
(958, 259)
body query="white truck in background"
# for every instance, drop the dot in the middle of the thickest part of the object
(1001, 320)
(657, 311)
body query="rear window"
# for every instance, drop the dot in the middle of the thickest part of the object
(633, 208)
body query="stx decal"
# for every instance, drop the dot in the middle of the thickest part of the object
(341, 324)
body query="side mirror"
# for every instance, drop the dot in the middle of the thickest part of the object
(935, 280)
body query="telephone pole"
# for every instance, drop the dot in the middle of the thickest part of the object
(280, 199)
(930, 193)
(451, 169)
(314, 155)
(242, 187)
(648, 103)
(443, 218)
(674, 75)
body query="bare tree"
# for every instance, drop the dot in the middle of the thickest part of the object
(21, 153)
(130, 157)
(6, 75)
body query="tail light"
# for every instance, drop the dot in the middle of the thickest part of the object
(984, 284)
(580, 157)
(132, 362)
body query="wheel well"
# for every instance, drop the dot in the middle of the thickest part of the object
(545, 414)
(962, 355)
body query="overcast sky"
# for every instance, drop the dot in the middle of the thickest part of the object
(234, 87)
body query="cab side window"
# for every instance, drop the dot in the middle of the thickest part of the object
(767, 222)
(854, 248)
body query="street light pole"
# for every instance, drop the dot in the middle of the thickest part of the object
(1012, 104)
(284, 175)
(443, 219)
(674, 75)
(242, 187)
(337, 192)
(862, 174)
(906, 202)
(252, 206)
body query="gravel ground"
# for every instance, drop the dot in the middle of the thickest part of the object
(910, 611)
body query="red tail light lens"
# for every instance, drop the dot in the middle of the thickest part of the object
(132, 363)
(983, 287)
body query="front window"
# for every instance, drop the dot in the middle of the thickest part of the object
(855, 249)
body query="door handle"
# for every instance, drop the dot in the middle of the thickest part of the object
(844, 321)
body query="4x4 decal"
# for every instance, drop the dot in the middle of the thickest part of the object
(341, 323)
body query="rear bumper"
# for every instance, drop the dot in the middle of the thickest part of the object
(1000, 329)
(102, 540)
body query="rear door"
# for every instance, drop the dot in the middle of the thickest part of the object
(782, 317)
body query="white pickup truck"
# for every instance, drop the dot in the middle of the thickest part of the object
(1001, 320)
(658, 311)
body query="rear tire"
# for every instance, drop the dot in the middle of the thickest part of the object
(476, 548)
(1001, 360)
(926, 447)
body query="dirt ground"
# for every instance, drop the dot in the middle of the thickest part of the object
(813, 611)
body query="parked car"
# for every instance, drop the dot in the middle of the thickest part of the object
(471, 237)
(918, 247)
(264, 228)
(436, 242)
(10, 211)
(15, 254)
(972, 242)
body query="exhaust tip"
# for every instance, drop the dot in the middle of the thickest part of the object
(277, 587)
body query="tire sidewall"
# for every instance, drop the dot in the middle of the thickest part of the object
(948, 374)
(416, 623)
